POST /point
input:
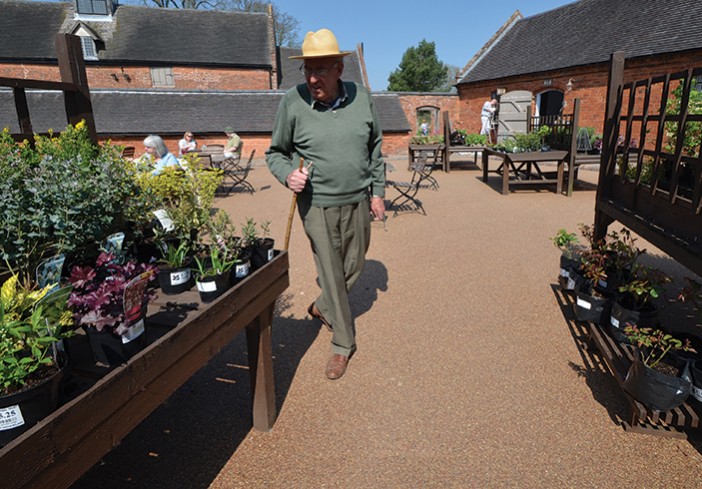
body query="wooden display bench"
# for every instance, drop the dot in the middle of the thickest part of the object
(618, 357)
(58, 450)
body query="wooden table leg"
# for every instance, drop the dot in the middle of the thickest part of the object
(559, 183)
(505, 175)
(258, 339)
(485, 165)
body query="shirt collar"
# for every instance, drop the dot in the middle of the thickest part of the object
(341, 98)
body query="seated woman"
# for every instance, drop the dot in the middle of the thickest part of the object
(157, 150)
(187, 144)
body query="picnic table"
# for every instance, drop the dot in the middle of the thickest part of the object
(523, 168)
(62, 447)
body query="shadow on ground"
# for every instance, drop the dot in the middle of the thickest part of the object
(186, 441)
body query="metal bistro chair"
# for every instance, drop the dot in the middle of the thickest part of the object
(128, 152)
(408, 190)
(238, 175)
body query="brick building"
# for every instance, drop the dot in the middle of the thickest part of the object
(563, 54)
(164, 71)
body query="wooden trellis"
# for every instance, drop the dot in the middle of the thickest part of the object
(73, 84)
(651, 173)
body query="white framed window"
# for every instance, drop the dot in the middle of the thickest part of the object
(95, 7)
(88, 45)
(162, 77)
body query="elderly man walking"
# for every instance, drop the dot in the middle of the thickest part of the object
(332, 126)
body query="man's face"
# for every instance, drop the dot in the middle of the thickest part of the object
(322, 76)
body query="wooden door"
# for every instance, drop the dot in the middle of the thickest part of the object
(512, 114)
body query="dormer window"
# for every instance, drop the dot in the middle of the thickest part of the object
(88, 45)
(92, 7)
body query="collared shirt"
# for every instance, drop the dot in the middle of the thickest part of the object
(341, 98)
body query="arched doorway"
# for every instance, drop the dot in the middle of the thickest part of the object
(427, 119)
(549, 102)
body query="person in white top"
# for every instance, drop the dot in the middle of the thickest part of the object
(486, 114)
(187, 144)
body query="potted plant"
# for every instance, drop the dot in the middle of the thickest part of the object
(570, 260)
(174, 272)
(109, 301)
(659, 385)
(635, 303)
(260, 247)
(213, 273)
(33, 321)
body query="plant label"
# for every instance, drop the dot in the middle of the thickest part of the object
(571, 284)
(584, 304)
(241, 270)
(207, 286)
(696, 393)
(564, 273)
(164, 219)
(10, 417)
(270, 254)
(133, 332)
(614, 321)
(180, 277)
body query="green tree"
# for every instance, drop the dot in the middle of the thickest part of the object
(286, 26)
(419, 71)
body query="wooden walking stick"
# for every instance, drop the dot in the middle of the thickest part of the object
(292, 212)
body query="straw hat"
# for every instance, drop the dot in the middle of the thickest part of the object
(321, 44)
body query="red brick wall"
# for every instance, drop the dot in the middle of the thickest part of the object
(589, 85)
(185, 78)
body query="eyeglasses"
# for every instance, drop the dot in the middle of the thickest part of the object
(319, 72)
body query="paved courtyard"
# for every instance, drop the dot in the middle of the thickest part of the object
(468, 372)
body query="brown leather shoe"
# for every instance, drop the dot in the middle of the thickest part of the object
(314, 312)
(336, 366)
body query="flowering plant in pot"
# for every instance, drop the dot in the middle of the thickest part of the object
(109, 301)
(659, 385)
(33, 321)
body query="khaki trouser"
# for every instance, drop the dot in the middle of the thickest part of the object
(340, 237)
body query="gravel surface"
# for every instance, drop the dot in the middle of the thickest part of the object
(468, 371)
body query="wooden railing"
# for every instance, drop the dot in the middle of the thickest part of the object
(651, 173)
(73, 84)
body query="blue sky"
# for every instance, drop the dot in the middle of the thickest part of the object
(386, 28)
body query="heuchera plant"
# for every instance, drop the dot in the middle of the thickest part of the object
(98, 292)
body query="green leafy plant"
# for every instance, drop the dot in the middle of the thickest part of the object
(174, 255)
(693, 129)
(217, 262)
(645, 285)
(31, 322)
(64, 195)
(568, 243)
(473, 139)
(419, 139)
(249, 233)
(654, 344)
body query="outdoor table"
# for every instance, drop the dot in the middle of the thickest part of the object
(415, 150)
(523, 168)
(62, 447)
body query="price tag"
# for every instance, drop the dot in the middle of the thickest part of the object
(564, 273)
(271, 253)
(241, 270)
(207, 286)
(10, 417)
(133, 332)
(180, 277)
(614, 321)
(571, 284)
(584, 304)
(696, 393)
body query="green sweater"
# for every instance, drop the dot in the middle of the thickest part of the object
(342, 143)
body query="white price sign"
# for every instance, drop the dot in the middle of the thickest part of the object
(10, 417)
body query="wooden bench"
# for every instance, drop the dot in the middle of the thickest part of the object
(58, 450)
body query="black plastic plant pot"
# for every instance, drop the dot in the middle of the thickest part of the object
(588, 307)
(696, 389)
(242, 267)
(22, 410)
(213, 286)
(175, 280)
(622, 316)
(262, 253)
(656, 390)
(112, 349)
